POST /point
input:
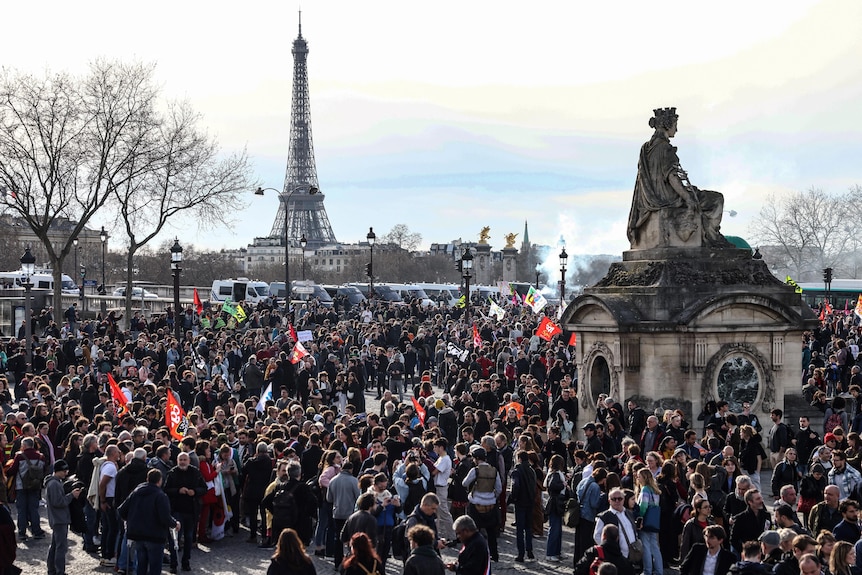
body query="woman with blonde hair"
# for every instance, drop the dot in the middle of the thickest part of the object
(842, 560)
(649, 522)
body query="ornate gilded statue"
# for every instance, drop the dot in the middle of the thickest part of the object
(484, 235)
(662, 188)
(510, 240)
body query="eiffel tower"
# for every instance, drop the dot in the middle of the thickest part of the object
(301, 203)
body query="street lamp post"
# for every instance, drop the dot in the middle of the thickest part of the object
(28, 266)
(311, 191)
(303, 241)
(103, 235)
(467, 264)
(564, 259)
(75, 269)
(176, 260)
(371, 237)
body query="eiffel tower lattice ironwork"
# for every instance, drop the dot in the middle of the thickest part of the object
(300, 208)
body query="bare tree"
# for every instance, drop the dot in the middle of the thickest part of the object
(64, 139)
(806, 230)
(401, 236)
(184, 174)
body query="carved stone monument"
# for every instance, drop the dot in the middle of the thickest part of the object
(510, 259)
(685, 317)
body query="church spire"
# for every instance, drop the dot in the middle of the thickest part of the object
(526, 240)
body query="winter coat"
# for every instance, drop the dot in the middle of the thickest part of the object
(57, 502)
(147, 512)
(423, 560)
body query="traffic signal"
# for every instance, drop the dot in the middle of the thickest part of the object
(368, 269)
(827, 275)
(459, 265)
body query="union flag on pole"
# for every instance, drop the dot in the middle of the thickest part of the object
(119, 398)
(175, 418)
(298, 353)
(548, 329)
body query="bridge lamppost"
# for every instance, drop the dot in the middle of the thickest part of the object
(176, 260)
(303, 241)
(103, 235)
(371, 237)
(28, 266)
(75, 269)
(311, 191)
(564, 259)
(467, 265)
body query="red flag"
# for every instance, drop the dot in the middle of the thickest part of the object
(298, 353)
(293, 332)
(420, 411)
(120, 399)
(548, 329)
(175, 418)
(573, 339)
(199, 306)
(477, 341)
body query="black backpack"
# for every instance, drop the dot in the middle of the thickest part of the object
(284, 506)
(400, 545)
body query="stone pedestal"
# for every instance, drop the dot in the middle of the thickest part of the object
(675, 327)
(510, 264)
(482, 265)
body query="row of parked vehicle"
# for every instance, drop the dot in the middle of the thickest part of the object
(429, 294)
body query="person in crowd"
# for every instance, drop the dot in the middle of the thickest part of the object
(423, 558)
(608, 551)
(474, 556)
(290, 557)
(147, 513)
(363, 559)
(709, 557)
(57, 502)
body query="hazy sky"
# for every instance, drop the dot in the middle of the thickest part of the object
(449, 116)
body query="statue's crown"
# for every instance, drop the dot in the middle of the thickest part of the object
(665, 114)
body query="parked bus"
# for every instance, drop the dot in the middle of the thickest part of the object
(842, 293)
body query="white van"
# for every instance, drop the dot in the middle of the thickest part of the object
(411, 291)
(301, 291)
(447, 294)
(42, 279)
(239, 289)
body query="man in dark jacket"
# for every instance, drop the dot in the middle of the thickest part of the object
(694, 562)
(474, 557)
(128, 477)
(306, 506)
(361, 521)
(147, 512)
(523, 494)
(184, 486)
(257, 474)
(748, 525)
(423, 559)
(750, 564)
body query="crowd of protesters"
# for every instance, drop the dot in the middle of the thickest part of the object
(478, 431)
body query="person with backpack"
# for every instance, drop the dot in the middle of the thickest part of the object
(28, 467)
(608, 551)
(835, 416)
(292, 504)
(59, 518)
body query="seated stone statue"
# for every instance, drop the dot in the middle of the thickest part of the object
(667, 210)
